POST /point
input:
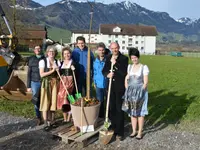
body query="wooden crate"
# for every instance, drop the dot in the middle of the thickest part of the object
(83, 140)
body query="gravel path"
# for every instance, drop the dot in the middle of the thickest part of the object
(20, 133)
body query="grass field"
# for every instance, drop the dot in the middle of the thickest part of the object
(174, 95)
(57, 34)
(26, 53)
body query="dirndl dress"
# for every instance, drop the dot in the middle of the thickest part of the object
(66, 75)
(135, 97)
(49, 88)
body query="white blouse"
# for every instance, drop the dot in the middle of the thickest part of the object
(66, 66)
(42, 63)
(139, 72)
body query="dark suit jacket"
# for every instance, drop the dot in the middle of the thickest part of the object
(119, 69)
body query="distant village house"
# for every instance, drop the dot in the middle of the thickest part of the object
(138, 36)
(31, 36)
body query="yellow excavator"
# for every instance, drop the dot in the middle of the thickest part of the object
(13, 69)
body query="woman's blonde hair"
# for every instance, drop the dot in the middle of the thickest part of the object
(52, 48)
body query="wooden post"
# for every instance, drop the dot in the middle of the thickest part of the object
(14, 18)
(89, 56)
(61, 57)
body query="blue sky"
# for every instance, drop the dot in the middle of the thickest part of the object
(176, 8)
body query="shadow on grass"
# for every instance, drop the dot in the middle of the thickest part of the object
(166, 108)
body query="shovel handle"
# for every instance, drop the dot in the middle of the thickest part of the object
(108, 96)
(62, 82)
(75, 81)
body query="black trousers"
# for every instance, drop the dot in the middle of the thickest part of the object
(116, 115)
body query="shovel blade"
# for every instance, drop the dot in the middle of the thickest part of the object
(78, 95)
(71, 99)
(105, 136)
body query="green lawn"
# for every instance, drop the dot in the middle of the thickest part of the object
(26, 53)
(57, 34)
(174, 95)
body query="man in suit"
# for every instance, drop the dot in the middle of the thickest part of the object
(120, 63)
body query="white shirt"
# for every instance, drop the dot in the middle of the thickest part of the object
(139, 72)
(42, 63)
(66, 66)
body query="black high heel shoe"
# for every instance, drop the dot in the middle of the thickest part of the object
(132, 135)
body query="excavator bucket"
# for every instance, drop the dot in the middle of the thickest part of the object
(13, 86)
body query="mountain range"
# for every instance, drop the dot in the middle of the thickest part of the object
(72, 14)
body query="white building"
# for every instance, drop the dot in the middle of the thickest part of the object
(139, 36)
(94, 38)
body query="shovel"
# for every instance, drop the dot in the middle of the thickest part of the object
(70, 97)
(77, 95)
(105, 135)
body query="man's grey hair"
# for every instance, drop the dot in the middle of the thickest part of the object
(115, 43)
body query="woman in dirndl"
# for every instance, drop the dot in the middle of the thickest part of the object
(136, 94)
(67, 66)
(48, 100)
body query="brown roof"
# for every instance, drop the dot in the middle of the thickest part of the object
(128, 29)
(84, 31)
(28, 34)
(32, 32)
(35, 28)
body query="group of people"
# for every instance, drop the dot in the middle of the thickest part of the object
(128, 91)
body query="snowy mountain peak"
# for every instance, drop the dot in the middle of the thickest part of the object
(186, 20)
(30, 4)
(128, 4)
(65, 1)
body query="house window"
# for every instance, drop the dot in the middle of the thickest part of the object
(129, 45)
(109, 41)
(123, 42)
(123, 47)
(117, 29)
(136, 42)
(130, 40)
(116, 36)
(116, 41)
(142, 42)
(109, 36)
(142, 48)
